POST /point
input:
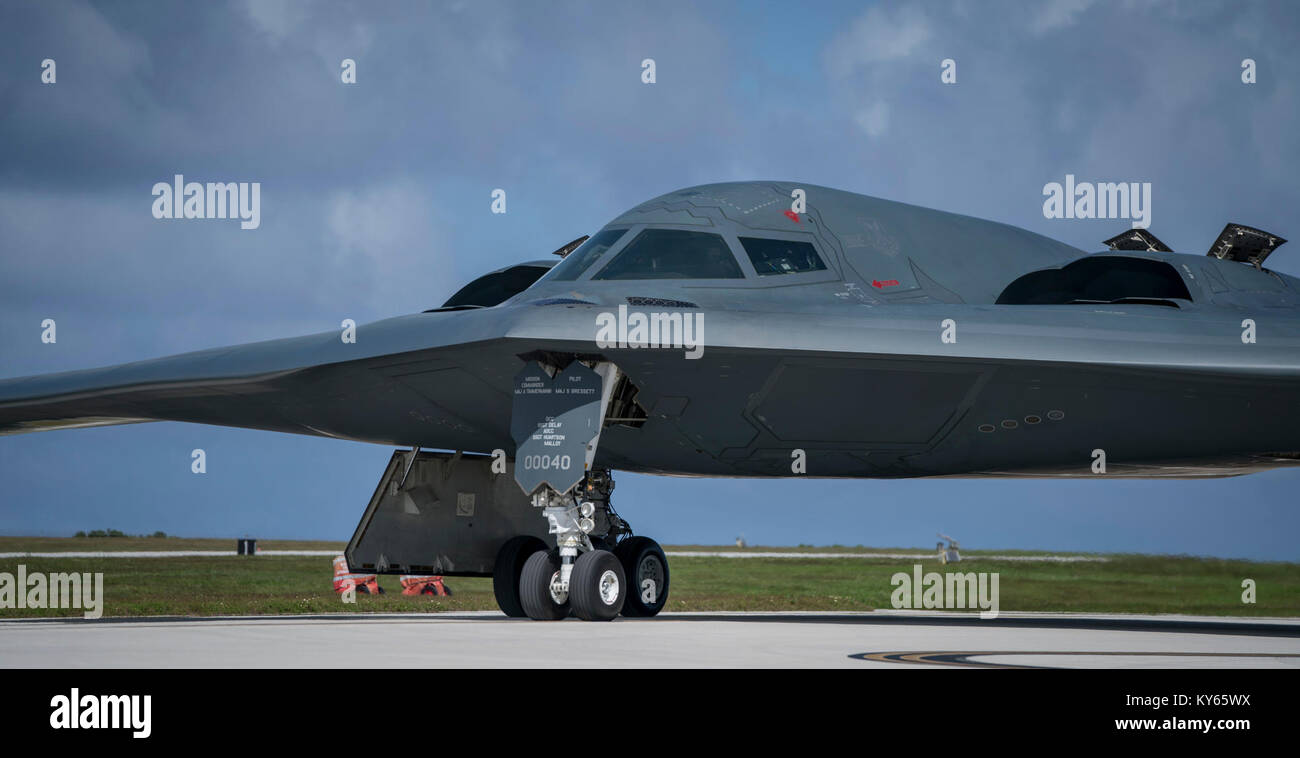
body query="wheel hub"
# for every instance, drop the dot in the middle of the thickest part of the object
(650, 576)
(558, 592)
(608, 588)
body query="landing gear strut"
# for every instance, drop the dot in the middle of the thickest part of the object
(588, 578)
(597, 569)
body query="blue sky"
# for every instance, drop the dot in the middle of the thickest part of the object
(375, 202)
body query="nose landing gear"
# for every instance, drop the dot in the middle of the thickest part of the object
(597, 569)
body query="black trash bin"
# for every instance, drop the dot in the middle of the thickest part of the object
(246, 546)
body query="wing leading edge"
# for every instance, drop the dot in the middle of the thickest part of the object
(398, 384)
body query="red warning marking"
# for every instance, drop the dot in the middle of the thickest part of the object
(792, 216)
(886, 283)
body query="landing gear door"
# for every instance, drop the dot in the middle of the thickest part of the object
(450, 517)
(554, 421)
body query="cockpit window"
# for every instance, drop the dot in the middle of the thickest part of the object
(1099, 279)
(578, 261)
(771, 256)
(673, 254)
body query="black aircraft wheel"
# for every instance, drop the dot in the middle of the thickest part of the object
(539, 600)
(506, 572)
(597, 586)
(646, 568)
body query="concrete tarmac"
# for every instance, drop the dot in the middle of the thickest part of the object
(727, 640)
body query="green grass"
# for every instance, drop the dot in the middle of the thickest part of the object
(204, 586)
(1124, 584)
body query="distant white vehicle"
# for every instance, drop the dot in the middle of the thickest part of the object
(948, 554)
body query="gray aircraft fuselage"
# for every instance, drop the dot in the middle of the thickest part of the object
(889, 356)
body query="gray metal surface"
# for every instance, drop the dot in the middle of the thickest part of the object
(450, 517)
(553, 420)
(845, 363)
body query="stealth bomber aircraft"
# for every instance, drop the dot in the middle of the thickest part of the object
(749, 329)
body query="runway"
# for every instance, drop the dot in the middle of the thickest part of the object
(718, 640)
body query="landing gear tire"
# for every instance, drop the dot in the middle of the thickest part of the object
(646, 568)
(507, 570)
(598, 586)
(540, 602)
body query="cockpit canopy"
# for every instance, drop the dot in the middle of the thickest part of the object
(576, 263)
(659, 253)
(673, 254)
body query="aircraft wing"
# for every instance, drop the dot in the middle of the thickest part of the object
(412, 368)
